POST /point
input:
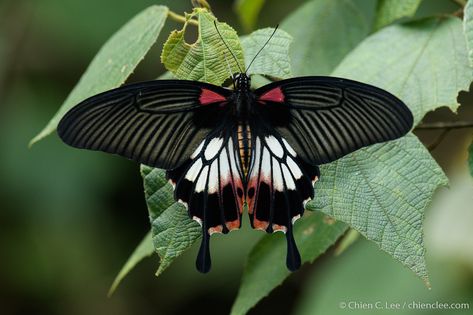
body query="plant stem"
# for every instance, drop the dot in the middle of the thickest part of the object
(439, 139)
(182, 19)
(445, 125)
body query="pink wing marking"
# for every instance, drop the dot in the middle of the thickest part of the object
(209, 97)
(273, 95)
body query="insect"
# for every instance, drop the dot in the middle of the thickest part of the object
(226, 149)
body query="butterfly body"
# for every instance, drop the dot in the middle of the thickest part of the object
(226, 150)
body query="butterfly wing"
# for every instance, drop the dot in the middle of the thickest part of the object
(325, 118)
(279, 185)
(301, 123)
(210, 185)
(157, 123)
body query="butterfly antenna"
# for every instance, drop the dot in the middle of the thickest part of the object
(267, 41)
(229, 70)
(228, 47)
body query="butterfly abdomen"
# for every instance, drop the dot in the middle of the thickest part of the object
(244, 145)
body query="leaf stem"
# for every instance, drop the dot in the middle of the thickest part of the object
(439, 139)
(182, 19)
(445, 125)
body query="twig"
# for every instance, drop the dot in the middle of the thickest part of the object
(439, 139)
(182, 19)
(445, 125)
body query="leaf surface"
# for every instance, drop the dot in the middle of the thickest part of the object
(324, 31)
(171, 228)
(382, 190)
(389, 11)
(273, 60)
(208, 59)
(266, 268)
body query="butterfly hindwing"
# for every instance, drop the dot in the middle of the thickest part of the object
(210, 184)
(157, 123)
(279, 185)
(325, 118)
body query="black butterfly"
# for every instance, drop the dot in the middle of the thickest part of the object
(224, 149)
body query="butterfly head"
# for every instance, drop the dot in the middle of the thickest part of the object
(242, 81)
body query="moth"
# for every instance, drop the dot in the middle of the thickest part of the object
(227, 149)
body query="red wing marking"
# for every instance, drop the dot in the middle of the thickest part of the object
(273, 95)
(209, 97)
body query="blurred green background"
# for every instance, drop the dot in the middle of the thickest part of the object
(69, 219)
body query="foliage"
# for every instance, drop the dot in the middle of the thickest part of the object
(392, 10)
(381, 191)
(115, 61)
(248, 11)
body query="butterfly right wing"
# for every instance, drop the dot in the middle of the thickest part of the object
(157, 123)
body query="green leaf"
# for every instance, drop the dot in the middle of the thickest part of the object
(346, 241)
(364, 274)
(172, 230)
(207, 59)
(115, 61)
(470, 158)
(273, 60)
(389, 11)
(248, 11)
(143, 250)
(410, 60)
(266, 269)
(324, 31)
(382, 191)
(468, 29)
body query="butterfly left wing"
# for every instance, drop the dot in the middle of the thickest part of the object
(307, 121)
(325, 118)
(279, 185)
(210, 185)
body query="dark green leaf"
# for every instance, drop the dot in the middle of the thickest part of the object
(248, 11)
(324, 31)
(115, 61)
(143, 250)
(266, 269)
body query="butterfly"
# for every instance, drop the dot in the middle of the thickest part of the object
(227, 149)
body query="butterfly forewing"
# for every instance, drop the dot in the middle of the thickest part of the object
(325, 118)
(157, 123)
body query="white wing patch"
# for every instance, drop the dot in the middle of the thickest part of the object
(274, 145)
(213, 148)
(278, 163)
(211, 174)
